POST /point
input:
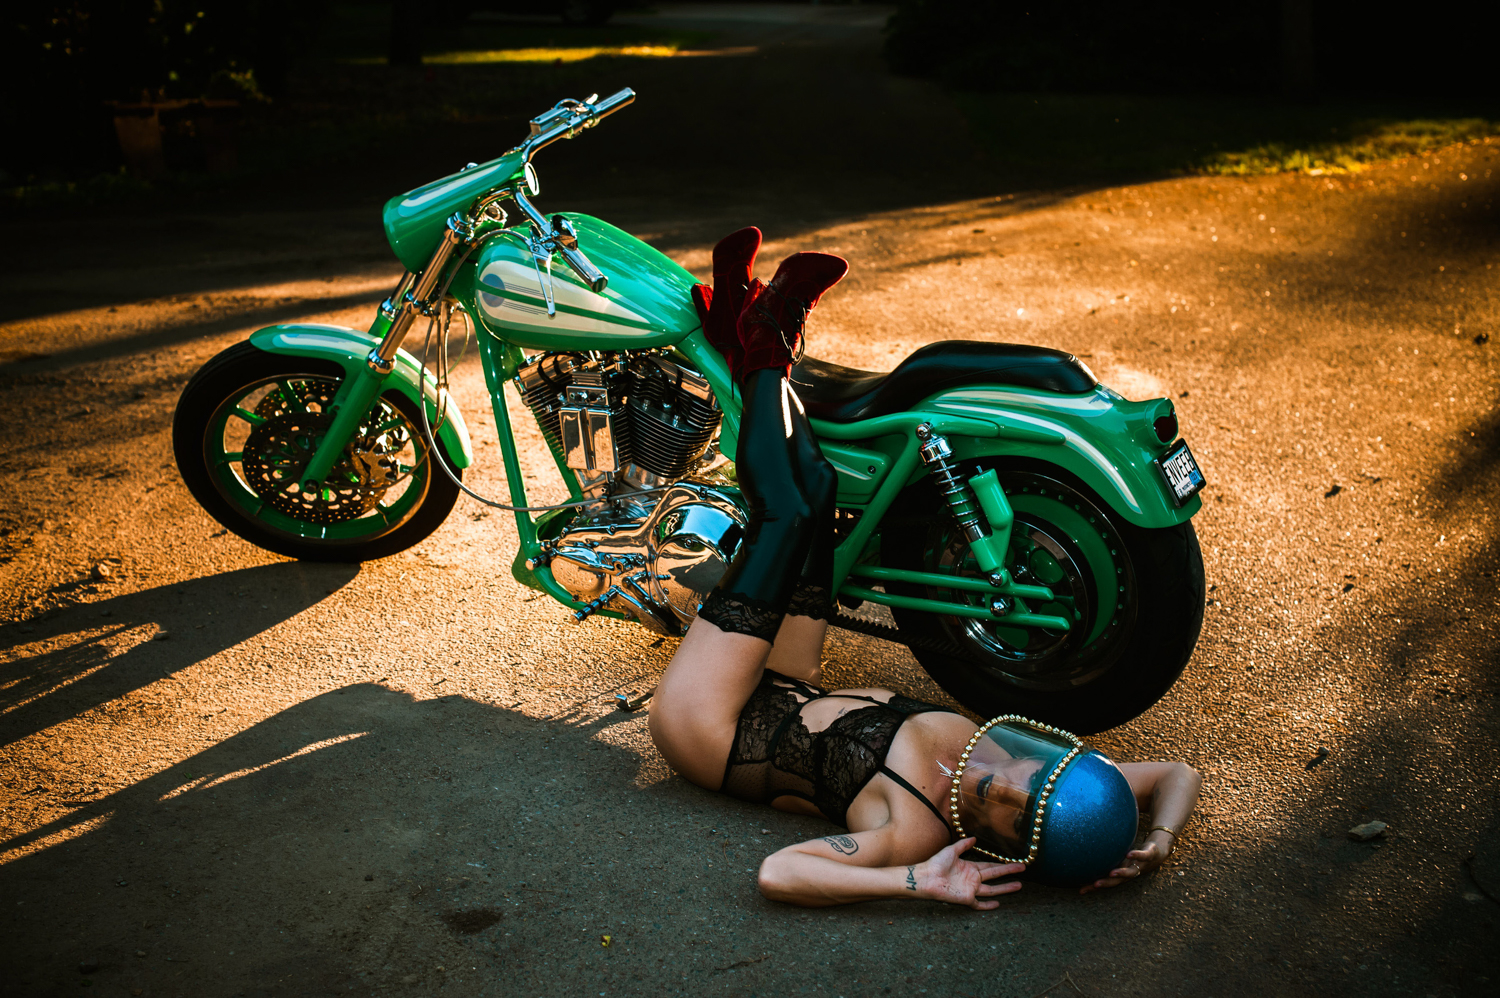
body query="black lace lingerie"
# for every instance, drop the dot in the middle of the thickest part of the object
(775, 755)
(735, 613)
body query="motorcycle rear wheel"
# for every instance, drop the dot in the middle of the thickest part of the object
(249, 420)
(1135, 596)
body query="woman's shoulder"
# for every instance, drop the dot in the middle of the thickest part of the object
(940, 724)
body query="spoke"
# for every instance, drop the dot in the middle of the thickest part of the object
(389, 424)
(229, 458)
(289, 394)
(249, 416)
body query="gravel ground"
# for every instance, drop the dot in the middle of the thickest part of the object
(230, 774)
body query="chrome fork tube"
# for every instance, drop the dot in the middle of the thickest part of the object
(412, 294)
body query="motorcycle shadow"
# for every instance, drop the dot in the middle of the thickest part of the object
(365, 828)
(90, 655)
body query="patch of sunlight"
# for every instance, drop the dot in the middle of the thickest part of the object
(551, 54)
(1380, 142)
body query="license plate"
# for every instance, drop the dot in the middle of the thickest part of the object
(1181, 473)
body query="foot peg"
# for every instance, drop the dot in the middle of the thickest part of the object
(596, 605)
(637, 604)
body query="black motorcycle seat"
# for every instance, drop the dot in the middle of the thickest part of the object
(843, 394)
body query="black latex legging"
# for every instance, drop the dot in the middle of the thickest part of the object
(785, 563)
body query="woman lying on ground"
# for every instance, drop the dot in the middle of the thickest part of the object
(916, 785)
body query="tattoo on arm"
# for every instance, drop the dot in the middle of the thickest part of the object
(842, 844)
(911, 878)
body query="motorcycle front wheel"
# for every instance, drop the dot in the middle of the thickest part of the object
(1134, 596)
(248, 423)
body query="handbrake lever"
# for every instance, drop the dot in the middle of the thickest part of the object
(565, 238)
(557, 234)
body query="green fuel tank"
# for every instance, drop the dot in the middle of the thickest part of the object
(647, 303)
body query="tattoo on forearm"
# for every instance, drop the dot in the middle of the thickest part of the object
(911, 878)
(842, 844)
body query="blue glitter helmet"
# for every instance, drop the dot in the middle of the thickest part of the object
(1038, 795)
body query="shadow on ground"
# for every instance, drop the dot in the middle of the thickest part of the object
(85, 656)
(364, 839)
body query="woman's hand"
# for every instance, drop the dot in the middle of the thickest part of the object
(1167, 791)
(1137, 861)
(945, 877)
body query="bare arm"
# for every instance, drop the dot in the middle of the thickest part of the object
(841, 869)
(1168, 792)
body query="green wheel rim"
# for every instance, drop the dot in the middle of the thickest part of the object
(226, 471)
(1065, 542)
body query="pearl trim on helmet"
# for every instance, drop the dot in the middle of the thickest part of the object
(1042, 798)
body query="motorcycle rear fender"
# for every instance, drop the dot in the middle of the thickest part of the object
(1101, 437)
(348, 348)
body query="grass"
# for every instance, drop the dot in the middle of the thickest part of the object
(1375, 141)
(484, 78)
(346, 105)
(357, 34)
(576, 53)
(1067, 138)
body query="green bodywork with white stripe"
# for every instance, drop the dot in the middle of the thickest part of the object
(648, 302)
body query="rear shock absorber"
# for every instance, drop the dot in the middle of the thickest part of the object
(938, 457)
(990, 546)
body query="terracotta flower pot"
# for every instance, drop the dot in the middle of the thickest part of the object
(177, 134)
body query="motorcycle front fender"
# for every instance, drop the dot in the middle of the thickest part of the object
(1102, 438)
(348, 348)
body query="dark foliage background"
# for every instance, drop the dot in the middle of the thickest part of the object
(1301, 48)
(1173, 83)
(67, 57)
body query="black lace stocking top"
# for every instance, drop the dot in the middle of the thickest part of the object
(775, 755)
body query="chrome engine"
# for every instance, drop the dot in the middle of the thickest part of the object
(639, 421)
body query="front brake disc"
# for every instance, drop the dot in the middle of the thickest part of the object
(296, 418)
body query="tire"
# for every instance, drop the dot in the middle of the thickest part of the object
(1135, 595)
(388, 496)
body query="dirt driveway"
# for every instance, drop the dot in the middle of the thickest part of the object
(229, 774)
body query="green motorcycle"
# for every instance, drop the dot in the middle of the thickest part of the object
(1028, 528)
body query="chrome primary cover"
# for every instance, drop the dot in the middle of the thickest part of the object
(654, 564)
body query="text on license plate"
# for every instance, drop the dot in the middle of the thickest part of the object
(1182, 473)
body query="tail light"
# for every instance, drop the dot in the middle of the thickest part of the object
(1166, 427)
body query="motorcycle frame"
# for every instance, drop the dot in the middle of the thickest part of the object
(997, 435)
(502, 360)
(1101, 438)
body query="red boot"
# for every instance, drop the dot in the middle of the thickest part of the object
(770, 324)
(719, 306)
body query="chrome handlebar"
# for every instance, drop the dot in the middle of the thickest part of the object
(568, 117)
(566, 238)
(557, 235)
